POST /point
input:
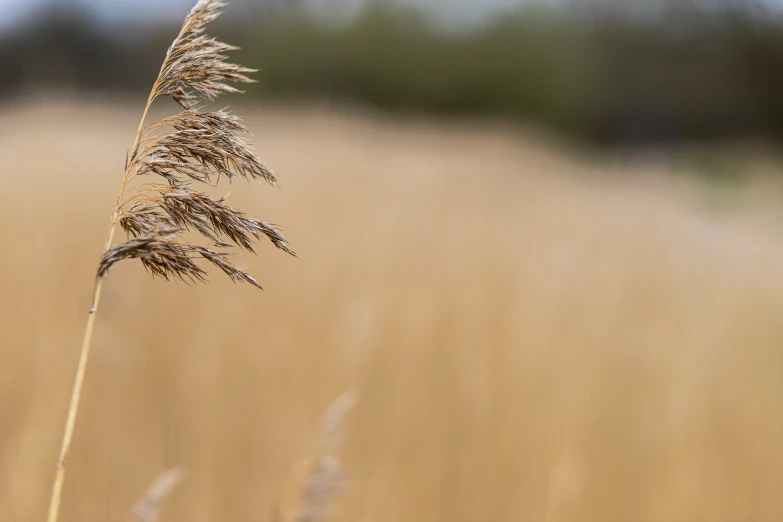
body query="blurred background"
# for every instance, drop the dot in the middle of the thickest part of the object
(600, 71)
(543, 240)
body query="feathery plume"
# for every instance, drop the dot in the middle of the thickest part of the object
(147, 509)
(192, 147)
(196, 67)
(325, 478)
(202, 145)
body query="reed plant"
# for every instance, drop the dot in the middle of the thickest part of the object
(159, 204)
(313, 494)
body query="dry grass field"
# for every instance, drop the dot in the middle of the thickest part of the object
(535, 338)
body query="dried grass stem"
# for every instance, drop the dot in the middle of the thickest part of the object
(200, 146)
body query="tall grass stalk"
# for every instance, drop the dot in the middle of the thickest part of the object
(192, 147)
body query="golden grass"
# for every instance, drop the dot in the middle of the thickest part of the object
(193, 145)
(532, 340)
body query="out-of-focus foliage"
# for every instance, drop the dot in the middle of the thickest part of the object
(594, 74)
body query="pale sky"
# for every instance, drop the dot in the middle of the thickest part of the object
(12, 11)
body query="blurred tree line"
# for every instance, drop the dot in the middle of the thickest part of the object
(595, 73)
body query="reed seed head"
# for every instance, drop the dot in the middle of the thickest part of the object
(192, 147)
(196, 66)
(147, 509)
(326, 478)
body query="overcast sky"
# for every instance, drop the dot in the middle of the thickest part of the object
(13, 11)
